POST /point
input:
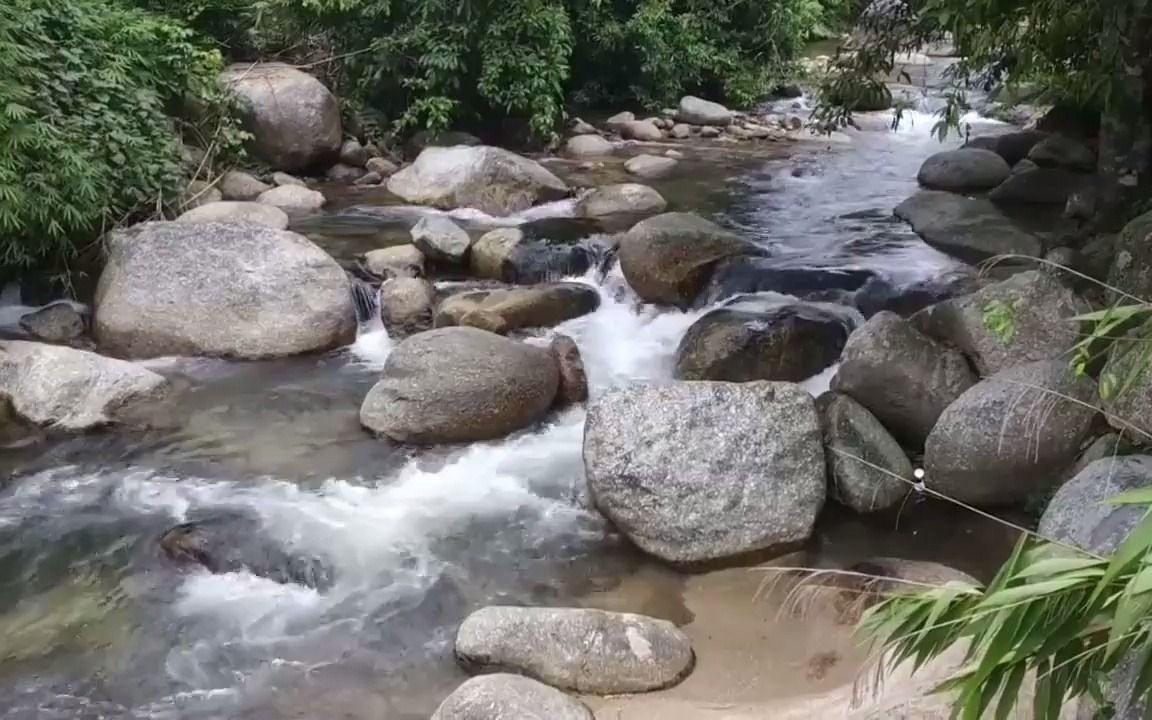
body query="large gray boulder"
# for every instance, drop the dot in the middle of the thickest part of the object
(696, 111)
(701, 471)
(963, 170)
(667, 258)
(220, 289)
(589, 651)
(441, 239)
(293, 118)
(791, 343)
(460, 384)
(867, 469)
(502, 310)
(1040, 186)
(973, 229)
(1011, 435)
(496, 181)
(228, 211)
(904, 377)
(504, 696)
(1025, 318)
(73, 389)
(1079, 512)
(1131, 263)
(622, 199)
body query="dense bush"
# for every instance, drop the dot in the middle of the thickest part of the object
(434, 63)
(85, 133)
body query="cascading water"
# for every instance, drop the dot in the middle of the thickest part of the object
(97, 623)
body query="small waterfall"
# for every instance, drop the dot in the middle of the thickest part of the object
(366, 297)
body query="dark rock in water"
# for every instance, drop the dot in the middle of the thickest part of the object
(59, 323)
(1013, 146)
(879, 294)
(510, 255)
(231, 541)
(1040, 186)
(573, 379)
(972, 229)
(963, 170)
(747, 274)
(561, 230)
(789, 343)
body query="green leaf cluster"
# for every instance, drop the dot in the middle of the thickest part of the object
(87, 95)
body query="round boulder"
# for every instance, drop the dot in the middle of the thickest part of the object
(396, 261)
(353, 154)
(503, 310)
(905, 378)
(789, 343)
(695, 111)
(643, 130)
(581, 146)
(693, 472)
(460, 384)
(1040, 186)
(651, 167)
(589, 651)
(1079, 512)
(236, 185)
(865, 463)
(491, 179)
(504, 695)
(59, 322)
(237, 212)
(963, 170)
(1010, 435)
(441, 239)
(622, 199)
(246, 291)
(294, 120)
(667, 259)
(1063, 152)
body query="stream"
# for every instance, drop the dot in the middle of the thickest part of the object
(97, 623)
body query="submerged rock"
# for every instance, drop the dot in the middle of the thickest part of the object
(868, 471)
(1010, 435)
(220, 289)
(490, 179)
(791, 342)
(237, 212)
(967, 169)
(1025, 318)
(232, 541)
(503, 310)
(622, 199)
(589, 651)
(668, 258)
(746, 274)
(701, 471)
(905, 378)
(293, 118)
(973, 229)
(52, 385)
(503, 696)
(460, 384)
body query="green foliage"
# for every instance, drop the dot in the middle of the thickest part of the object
(85, 135)
(999, 317)
(1066, 616)
(438, 63)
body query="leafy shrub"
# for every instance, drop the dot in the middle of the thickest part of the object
(435, 63)
(85, 135)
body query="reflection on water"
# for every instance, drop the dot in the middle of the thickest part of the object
(99, 625)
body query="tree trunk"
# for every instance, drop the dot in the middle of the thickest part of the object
(1125, 154)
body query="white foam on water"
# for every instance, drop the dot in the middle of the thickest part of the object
(244, 604)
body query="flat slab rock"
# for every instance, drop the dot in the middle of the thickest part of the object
(590, 651)
(504, 696)
(972, 229)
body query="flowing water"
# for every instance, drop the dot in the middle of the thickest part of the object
(96, 623)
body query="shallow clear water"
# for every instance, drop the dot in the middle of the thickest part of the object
(98, 624)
